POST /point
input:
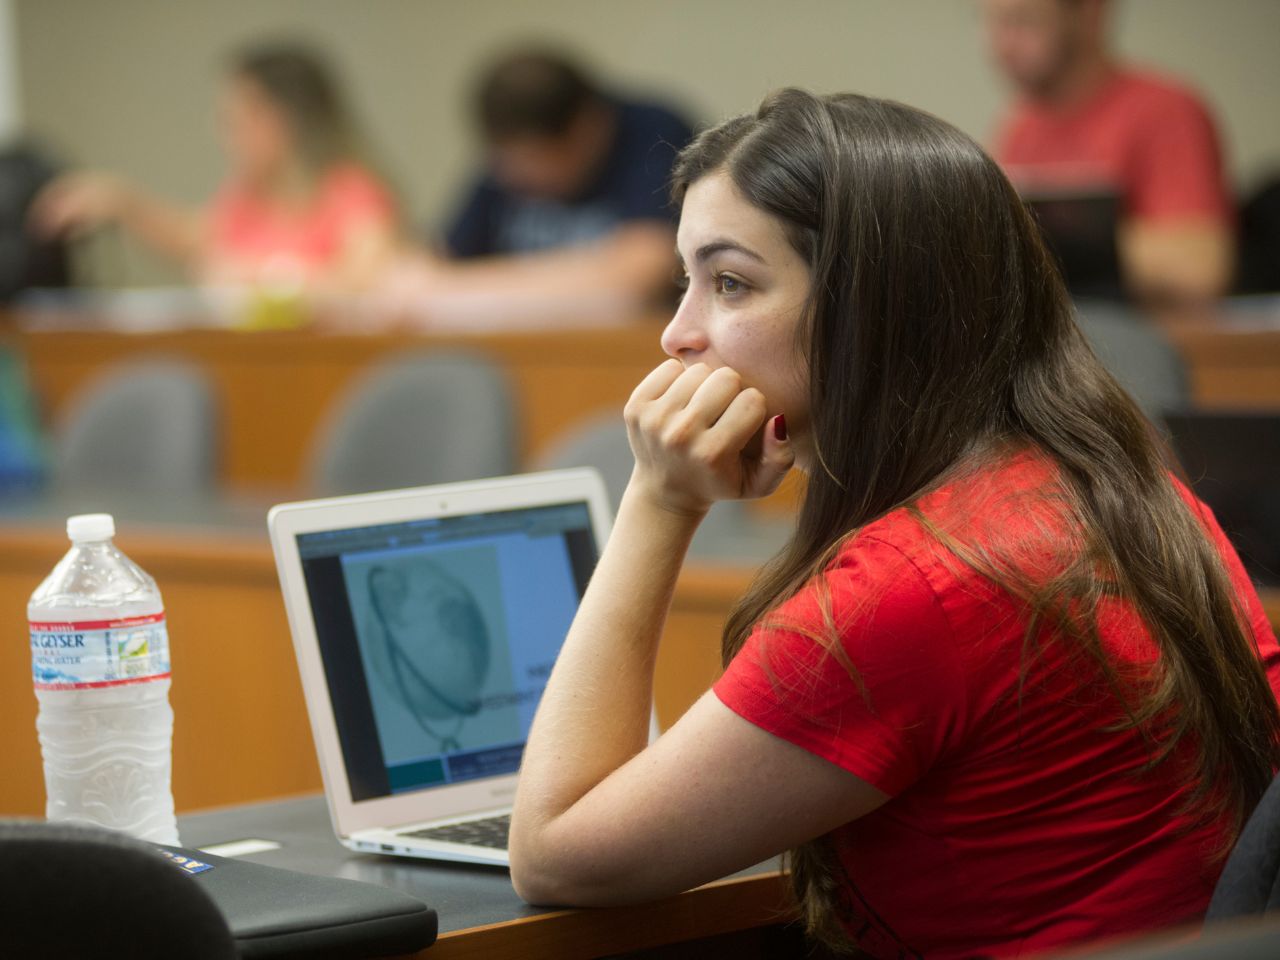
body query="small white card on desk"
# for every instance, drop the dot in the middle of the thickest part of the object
(240, 848)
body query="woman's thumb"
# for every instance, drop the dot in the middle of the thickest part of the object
(776, 457)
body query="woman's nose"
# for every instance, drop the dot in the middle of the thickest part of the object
(685, 337)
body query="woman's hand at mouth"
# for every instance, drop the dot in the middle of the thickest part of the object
(692, 433)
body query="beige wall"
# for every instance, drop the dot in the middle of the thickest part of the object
(129, 84)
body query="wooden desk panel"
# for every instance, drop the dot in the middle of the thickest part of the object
(715, 909)
(276, 388)
(241, 731)
(1230, 368)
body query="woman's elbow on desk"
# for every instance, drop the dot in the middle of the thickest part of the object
(546, 872)
(542, 887)
(605, 854)
(531, 876)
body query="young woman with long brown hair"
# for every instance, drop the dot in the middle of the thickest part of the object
(1008, 686)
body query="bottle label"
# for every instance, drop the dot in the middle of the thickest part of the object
(88, 654)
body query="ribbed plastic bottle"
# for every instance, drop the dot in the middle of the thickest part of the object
(100, 660)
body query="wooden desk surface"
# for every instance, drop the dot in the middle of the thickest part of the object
(480, 914)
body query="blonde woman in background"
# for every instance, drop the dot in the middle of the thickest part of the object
(298, 207)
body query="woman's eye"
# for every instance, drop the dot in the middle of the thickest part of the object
(728, 284)
(681, 280)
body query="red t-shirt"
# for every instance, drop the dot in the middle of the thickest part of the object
(1012, 826)
(1147, 139)
(253, 240)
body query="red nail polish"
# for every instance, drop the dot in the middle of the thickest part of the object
(780, 427)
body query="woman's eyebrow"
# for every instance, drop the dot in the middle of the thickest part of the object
(708, 250)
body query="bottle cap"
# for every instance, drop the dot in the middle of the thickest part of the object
(91, 527)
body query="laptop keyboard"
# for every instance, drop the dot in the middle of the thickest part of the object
(489, 832)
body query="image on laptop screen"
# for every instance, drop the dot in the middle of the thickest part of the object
(438, 637)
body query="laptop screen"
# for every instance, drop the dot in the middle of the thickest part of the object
(1080, 228)
(438, 636)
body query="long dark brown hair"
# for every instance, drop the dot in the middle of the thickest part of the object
(937, 334)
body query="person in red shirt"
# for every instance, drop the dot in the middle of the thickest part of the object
(1083, 120)
(1008, 687)
(298, 209)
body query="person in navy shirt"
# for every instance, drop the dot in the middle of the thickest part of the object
(574, 194)
(568, 164)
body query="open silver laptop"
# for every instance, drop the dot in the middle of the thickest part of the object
(426, 622)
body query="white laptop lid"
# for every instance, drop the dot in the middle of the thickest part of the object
(425, 623)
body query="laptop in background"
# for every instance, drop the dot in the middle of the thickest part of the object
(1081, 227)
(1233, 463)
(426, 622)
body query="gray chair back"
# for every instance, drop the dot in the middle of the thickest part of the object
(1138, 355)
(416, 420)
(599, 441)
(142, 428)
(1250, 880)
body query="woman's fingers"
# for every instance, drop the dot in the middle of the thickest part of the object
(744, 419)
(657, 383)
(660, 403)
(682, 391)
(714, 396)
(696, 434)
(739, 420)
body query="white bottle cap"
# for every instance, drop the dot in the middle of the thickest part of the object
(91, 527)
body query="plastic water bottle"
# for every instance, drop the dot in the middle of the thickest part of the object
(100, 659)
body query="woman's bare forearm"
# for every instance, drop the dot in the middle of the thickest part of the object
(594, 715)
(689, 429)
(171, 230)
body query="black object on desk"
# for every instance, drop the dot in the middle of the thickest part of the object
(464, 895)
(73, 890)
(283, 913)
(70, 890)
(477, 905)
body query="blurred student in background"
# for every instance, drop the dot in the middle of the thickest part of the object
(1083, 119)
(572, 204)
(298, 206)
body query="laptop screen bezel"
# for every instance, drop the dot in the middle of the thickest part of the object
(287, 522)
